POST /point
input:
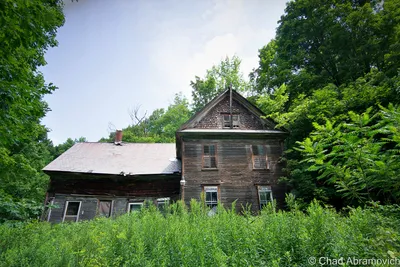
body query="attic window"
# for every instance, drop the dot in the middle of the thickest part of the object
(227, 121)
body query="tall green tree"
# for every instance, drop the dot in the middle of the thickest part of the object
(323, 42)
(217, 79)
(28, 29)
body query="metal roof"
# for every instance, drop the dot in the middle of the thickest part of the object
(125, 159)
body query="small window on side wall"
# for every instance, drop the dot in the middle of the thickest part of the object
(209, 157)
(260, 158)
(264, 195)
(72, 209)
(105, 208)
(135, 207)
(211, 196)
(162, 203)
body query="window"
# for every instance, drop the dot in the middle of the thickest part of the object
(211, 194)
(260, 159)
(105, 208)
(135, 206)
(72, 209)
(264, 195)
(227, 121)
(162, 203)
(209, 158)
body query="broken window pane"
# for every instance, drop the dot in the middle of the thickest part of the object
(72, 208)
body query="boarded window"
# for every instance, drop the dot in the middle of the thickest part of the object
(105, 208)
(135, 206)
(260, 158)
(211, 195)
(209, 156)
(72, 209)
(264, 195)
(227, 121)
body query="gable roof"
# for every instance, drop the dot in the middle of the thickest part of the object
(125, 159)
(196, 118)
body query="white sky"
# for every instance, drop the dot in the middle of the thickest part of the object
(115, 55)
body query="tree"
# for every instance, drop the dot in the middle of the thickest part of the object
(28, 29)
(217, 79)
(359, 157)
(323, 42)
(159, 127)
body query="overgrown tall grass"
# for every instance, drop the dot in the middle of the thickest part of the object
(182, 238)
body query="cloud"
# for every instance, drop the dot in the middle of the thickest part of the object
(228, 28)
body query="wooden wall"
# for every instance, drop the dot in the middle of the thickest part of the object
(234, 174)
(214, 119)
(89, 189)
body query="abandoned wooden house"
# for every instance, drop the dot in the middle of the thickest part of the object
(226, 151)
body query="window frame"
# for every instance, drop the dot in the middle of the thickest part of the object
(264, 189)
(71, 216)
(212, 188)
(226, 124)
(264, 156)
(134, 203)
(111, 206)
(204, 157)
(163, 201)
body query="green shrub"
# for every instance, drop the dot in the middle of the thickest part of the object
(187, 236)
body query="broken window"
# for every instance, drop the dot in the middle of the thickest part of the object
(264, 195)
(135, 206)
(211, 195)
(72, 209)
(105, 208)
(227, 121)
(209, 156)
(260, 158)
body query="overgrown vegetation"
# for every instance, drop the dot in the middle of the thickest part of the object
(182, 238)
(330, 76)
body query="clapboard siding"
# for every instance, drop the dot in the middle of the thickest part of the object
(234, 174)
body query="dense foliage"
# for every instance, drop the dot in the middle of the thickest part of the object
(28, 29)
(181, 238)
(331, 64)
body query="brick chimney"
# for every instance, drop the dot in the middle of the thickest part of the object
(118, 137)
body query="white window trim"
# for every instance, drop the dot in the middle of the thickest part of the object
(134, 203)
(51, 203)
(163, 200)
(66, 207)
(264, 188)
(211, 188)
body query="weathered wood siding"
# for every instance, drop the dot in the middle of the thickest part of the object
(90, 189)
(234, 174)
(214, 119)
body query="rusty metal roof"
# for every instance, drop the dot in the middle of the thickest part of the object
(125, 159)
